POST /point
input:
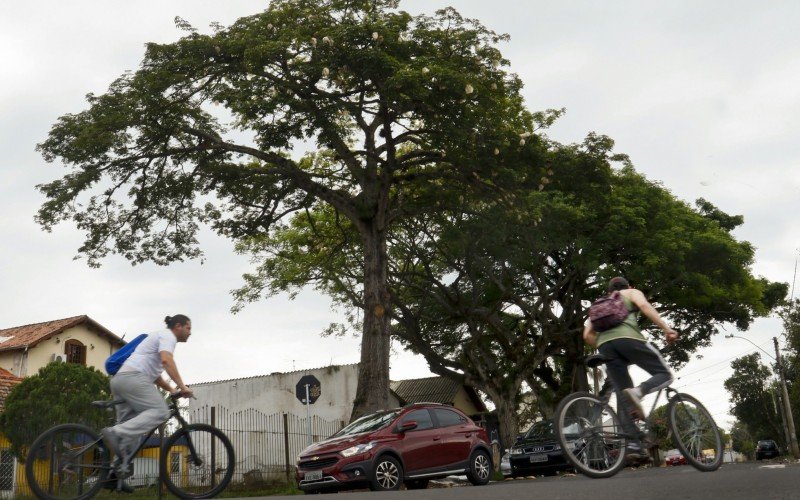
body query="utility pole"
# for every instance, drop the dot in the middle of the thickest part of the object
(787, 407)
(779, 411)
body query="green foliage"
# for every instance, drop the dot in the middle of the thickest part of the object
(790, 317)
(386, 99)
(660, 428)
(742, 441)
(494, 291)
(59, 393)
(400, 113)
(754, 399)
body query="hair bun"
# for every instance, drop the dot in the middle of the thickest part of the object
(168, 319)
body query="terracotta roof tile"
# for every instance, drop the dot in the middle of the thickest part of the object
(20, 337)
(7, 382)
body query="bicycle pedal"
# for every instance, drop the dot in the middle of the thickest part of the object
(125, 471)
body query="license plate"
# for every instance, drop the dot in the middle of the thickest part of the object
(314, 475)
(538, 458)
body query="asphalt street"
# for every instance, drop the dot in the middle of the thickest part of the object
(731, 482)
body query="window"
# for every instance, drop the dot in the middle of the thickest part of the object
(6, 470)
(422, 417)
(75, 352)
(447, 418)
(174, 463)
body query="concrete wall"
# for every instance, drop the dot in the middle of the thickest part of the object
(275, 393)
(22, 364)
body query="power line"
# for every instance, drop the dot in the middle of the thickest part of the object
(715, 364)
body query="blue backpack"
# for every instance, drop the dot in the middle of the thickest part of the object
(116, 360)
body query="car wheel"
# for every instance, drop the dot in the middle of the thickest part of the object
(480, 468)
(387, 474)
(417, 484)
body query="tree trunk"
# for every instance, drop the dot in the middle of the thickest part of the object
(506, 414)
(372, 393)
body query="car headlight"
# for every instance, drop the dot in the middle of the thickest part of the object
(516, 451)
(357, 449)
(556, 447)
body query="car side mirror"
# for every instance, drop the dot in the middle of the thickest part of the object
(519, 438)
(407, 426)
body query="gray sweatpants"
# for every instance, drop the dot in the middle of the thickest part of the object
(626, 352)
(143, 409)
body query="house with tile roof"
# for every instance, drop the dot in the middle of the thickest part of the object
(25, 349)
(438, 390)
(79, 339)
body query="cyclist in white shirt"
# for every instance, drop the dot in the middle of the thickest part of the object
(143, 408)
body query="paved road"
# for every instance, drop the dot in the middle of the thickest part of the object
(731, 482)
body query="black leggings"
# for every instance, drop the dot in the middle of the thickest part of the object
(626, 352)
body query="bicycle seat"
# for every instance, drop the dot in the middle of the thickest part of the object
(107, 404)
(596, 360)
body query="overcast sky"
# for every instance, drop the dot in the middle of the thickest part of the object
(703, 96)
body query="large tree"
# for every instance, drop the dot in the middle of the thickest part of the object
(57, 394)
(212, 128)
(754, 399)
(494, 292)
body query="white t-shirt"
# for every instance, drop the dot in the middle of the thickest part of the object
(146, 358)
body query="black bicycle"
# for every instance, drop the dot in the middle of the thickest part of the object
(70, 461)
(592, 439)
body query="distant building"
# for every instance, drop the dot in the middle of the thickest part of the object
(332, 394)
(79, 339)
(439, 390)
(26, 349)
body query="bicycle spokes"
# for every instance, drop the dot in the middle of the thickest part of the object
(695, 433)
(592, 435)
(69, 463)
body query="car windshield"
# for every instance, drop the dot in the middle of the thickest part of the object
(544, 430)
(672, 453)
(540, 430)
(369, 423)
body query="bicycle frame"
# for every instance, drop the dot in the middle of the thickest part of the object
(182, 424)
(607, 390)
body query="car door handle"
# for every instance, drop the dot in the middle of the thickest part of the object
(468, 434)
(436, 438)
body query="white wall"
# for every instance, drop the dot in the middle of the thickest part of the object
(275, 393)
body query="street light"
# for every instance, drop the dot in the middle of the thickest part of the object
(732, 336)
(787, 408)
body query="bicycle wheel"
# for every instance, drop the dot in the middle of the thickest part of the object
(67, 461)
(694, 432)
(197, 461)
(590, 435)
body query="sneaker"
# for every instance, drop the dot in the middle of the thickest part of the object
(111, 484)
(111, 440)
(633, 398)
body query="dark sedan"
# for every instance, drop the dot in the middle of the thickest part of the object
(537, 452)
(767, 448)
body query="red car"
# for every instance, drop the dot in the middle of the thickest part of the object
(408, 445)
(674, 457)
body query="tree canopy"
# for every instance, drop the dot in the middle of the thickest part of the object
(59, 393)
(754, 399)
(339, 103)
(494, 292)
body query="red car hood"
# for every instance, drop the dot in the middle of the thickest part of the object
(335, 444)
